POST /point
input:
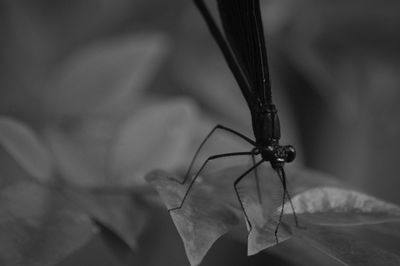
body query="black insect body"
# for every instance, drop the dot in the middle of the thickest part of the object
(243, 47)
(266, 129)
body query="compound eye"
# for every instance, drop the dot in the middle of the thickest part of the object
(290, 153)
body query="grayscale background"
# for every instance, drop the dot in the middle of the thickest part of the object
(85, 66)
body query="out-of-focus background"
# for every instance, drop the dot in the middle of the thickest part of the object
(81, 73)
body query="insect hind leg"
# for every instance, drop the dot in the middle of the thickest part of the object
(282, 178)
(280, 218)
(237, 181)
(257, 179)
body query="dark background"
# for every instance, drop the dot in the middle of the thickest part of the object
(335, 71)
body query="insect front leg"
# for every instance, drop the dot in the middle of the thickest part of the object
(221, 127)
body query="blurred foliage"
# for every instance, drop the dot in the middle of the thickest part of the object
(93, 94)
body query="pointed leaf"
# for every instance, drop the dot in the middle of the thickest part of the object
(156, 136)
(105, 78)
(204, 217)
(38, 225)
(79, 161)
(114, 152)
(118, 211)
(22, 143)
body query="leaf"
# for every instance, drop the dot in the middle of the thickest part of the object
(163, 134)
(264, 215)
(105, 78)
(392, 229)
(83, 162)
(212, 209)
(121, 253)
(345, 207)
(117, 211)
(344, 248)
(202, 220)
(156, 136)
(38, 226)
(106, 152)
(79, 160)
(22, 143)
(119, 152)
(331, 215)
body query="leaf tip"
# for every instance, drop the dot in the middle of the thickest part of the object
(21, 142)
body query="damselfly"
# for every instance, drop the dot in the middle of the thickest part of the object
(243, 46)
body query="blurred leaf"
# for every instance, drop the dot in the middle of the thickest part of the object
(41, 224)
(118, 211)
(334, 43)
(105, 78)
(122, 253)
(23, 144)
(108, 152)
(38, 226)
(212, 208)
(79, 160)
(156, 136)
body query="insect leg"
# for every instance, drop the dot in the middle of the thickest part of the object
(289, 198)
(202, 167)
(283, 180)
(282, 177)
(280, 219)
(257, 178)
(296, 220)
(221, 127)
(237, 192)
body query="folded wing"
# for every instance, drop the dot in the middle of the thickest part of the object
(242, 24)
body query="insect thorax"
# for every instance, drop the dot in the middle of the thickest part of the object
(267, 132)
(266, 126)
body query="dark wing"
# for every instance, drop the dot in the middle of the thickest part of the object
(242, 23)
(238, 69)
